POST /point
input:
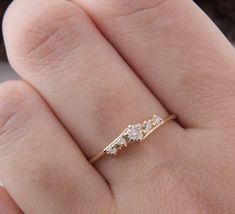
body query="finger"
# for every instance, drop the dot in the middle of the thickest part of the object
(40, 165)
(85, 81)
(177, 51)
(7, 205)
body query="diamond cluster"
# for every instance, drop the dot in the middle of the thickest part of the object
(132, 134)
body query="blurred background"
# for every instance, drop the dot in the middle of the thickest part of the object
(222, 12)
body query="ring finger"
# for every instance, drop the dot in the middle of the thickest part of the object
(91, 89)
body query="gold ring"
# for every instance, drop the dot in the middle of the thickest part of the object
(132, 134)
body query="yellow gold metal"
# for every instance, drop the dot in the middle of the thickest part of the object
(132, 134)
(171, 117)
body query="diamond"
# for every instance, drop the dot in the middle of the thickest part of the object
(147, 126)
(134, 132)
(156, 120)
(121, 141)
(111, 150)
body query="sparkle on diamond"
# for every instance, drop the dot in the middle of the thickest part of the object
(134, 132)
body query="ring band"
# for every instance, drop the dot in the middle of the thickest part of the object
(132, 134)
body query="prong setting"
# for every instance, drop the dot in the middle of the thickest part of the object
(133, 134)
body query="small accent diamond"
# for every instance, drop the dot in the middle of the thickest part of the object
(111, 151)
(134, 132)
(121, 142)
(156, 120)
(147, 126)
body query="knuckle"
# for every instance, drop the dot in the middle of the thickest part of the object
(153, 15)
(16, 108)
(48, 36)
(125, 8)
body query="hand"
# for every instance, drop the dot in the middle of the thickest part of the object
(84, 81)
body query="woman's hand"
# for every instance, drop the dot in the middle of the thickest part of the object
(84, 81)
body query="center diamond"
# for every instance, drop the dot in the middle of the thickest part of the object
(134, 133)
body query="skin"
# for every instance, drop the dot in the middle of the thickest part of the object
(89, 68)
